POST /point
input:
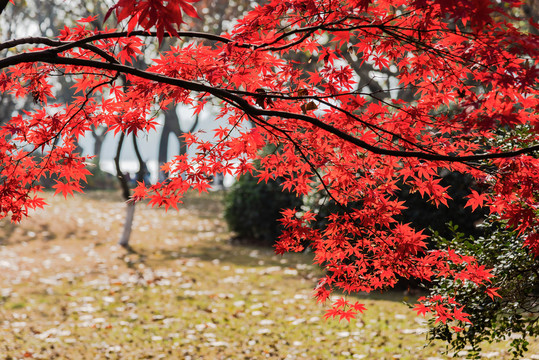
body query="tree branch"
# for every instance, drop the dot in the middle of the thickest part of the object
(66, 45)
(58, 46)
(49, 56)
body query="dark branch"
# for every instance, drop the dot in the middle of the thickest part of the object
(58, 46)
(66, 45)
(50, 57)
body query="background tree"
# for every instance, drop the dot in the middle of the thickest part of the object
(223, 14)
(470, 68)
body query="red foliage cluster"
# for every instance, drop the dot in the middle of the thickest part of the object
(471, 72)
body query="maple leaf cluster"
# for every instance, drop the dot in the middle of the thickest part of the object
(470, 72)
(165, 16)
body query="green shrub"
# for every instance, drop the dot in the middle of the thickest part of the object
(422, 215)
(516, 276)
(99, 179)
(253, 209)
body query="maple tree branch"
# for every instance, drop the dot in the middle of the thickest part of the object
(66, 45)
(54, 145)
(309, 30)
(392, 31)
(50, 57)
(30, 40)
(306, 158)
(58, 46)
(377, 128)
(56, 137)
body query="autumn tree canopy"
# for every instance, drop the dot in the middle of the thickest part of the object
(459, 94)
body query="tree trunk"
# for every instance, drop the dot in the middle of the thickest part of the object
(128, 225)
(171, 121)
(172, 125)
(126, 194)
(99, 138)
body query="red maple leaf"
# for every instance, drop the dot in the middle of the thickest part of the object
(492, 292)
(66, 188)
(476, 200)
(422, 309)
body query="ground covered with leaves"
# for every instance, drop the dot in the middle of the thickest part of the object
(69, 292)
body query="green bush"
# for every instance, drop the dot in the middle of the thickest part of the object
(516, 275)
(422, 215)
(99, 179)
(253, 209)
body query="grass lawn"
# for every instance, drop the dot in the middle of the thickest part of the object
(67, 291)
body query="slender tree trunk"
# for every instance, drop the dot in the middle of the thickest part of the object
(99, 138)
(172, 125)
(126, 194)
(171, 119)
(98, 145)
(128, 225)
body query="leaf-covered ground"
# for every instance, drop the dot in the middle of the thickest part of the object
(68, 292)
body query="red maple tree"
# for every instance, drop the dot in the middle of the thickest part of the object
(286, 75)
